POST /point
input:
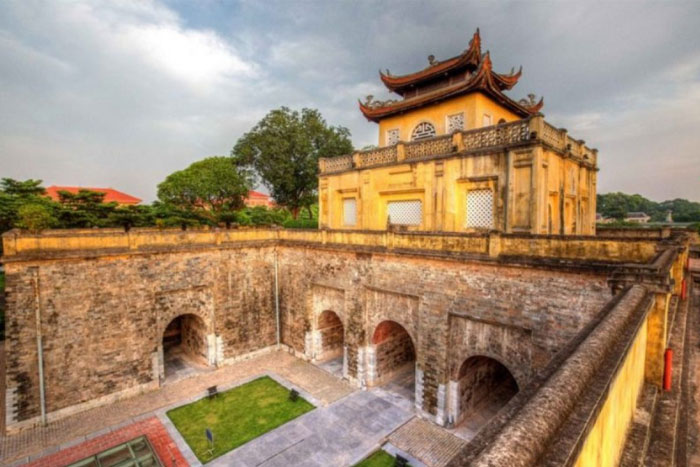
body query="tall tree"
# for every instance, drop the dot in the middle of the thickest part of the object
(212, 185)
(284, 149)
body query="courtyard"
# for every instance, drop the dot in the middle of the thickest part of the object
(346, 427)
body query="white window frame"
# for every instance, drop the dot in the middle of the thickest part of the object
(486, 120)
(347, 201)
(423, 135)
(447, 123)
(472, 220)
(398, 219)
(391, 131)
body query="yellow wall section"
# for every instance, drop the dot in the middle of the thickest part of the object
(474, 106)
(604, 444)
(539, 180)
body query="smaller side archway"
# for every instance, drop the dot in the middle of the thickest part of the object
(484, 386)
(393, 360)
(331, 336)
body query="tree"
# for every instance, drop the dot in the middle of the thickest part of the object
(84, 209)
(35, 217)
(26, 188)
(212, 185)
(284, 149)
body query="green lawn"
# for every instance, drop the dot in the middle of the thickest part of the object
(236, 416)
(378, 459)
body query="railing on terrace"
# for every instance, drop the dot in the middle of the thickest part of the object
(513, 133)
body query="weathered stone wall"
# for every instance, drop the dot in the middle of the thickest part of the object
(524, 315)
(102, 320)
(103, 317)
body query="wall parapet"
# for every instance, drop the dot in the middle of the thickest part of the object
(20, 245)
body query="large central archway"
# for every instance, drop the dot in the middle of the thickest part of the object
(484, 387)
(185, 347)
(394, 359)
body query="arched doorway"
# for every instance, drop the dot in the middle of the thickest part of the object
(185, 347)
(330, 343)
(485, 386)
(394, 359)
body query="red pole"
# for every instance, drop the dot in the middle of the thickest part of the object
(684, 290)
(668, 369)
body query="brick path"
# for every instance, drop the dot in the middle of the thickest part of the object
(33, 443)
(427, 442)
(156, 433)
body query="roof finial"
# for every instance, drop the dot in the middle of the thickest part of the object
(431, 60)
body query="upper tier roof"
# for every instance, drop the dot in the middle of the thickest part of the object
(467, 60)
(468, 72)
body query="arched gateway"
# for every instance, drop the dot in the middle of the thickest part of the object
(185, 347)
(483, 387)
(393, 361)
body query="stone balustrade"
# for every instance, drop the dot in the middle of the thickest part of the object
(533, 129)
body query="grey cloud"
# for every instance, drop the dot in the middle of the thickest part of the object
(87, 99)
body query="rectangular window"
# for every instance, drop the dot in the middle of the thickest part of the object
(408, 212)
(392, 137)
(455, 122)
(487, 120)
(349, 211)
(480, 209)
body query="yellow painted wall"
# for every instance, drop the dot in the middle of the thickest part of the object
(474, 106)
(538, 180)
(606, 440)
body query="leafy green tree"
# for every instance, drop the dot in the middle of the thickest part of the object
(284, 149)
(211, 186)
(35, 217)
(84, 209)
(25, 188)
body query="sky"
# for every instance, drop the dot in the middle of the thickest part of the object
(122, 93)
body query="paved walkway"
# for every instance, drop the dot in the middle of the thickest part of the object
(36, 442)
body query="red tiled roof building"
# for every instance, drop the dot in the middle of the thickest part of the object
(111, 195)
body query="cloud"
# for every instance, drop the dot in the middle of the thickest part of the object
(122, 93)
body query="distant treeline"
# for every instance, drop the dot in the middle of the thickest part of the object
(618, 205)
(23, 204)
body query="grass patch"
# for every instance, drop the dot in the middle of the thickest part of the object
(236, 416)
(379, 458)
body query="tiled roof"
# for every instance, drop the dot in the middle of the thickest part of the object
(111, 195)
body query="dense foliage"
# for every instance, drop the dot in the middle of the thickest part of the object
(618, 205)
(284, 149)
(213, 185)
(24, 205)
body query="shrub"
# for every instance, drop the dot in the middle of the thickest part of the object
(301, 224)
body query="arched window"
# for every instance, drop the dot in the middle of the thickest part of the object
(422, 131)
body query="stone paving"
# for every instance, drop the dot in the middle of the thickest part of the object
(31, 444)
(428, 442)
